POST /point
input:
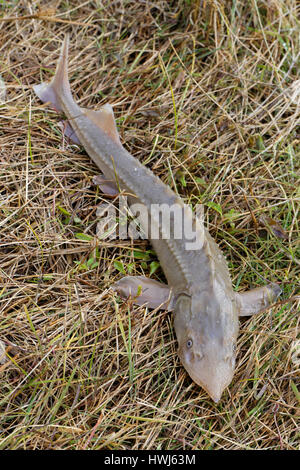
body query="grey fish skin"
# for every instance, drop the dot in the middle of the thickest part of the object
(199, 289)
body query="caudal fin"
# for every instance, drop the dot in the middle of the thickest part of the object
(51, 92)
(58, 92)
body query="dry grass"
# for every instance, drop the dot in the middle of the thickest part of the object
(85, 370)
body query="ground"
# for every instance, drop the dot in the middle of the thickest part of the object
(205, 93)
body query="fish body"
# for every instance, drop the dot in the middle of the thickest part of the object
(199, 289)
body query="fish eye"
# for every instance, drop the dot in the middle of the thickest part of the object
(189, 343)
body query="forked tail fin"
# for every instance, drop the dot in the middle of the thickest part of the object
(51, 92)
(58, 93)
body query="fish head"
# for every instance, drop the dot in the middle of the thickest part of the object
(206, 327)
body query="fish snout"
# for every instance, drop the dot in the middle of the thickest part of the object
(214, 379)
(215, 391)
(217, 381)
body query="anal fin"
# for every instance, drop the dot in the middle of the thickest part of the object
(69, 132)
(106, 185)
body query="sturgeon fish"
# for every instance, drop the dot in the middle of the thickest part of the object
(199, 289)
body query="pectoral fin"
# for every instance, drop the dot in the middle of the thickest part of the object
(145, 291)
(256, 300)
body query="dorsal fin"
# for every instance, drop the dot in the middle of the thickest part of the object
(104, 118)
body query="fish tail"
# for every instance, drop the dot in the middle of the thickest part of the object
(59, 85)
(58, 93)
